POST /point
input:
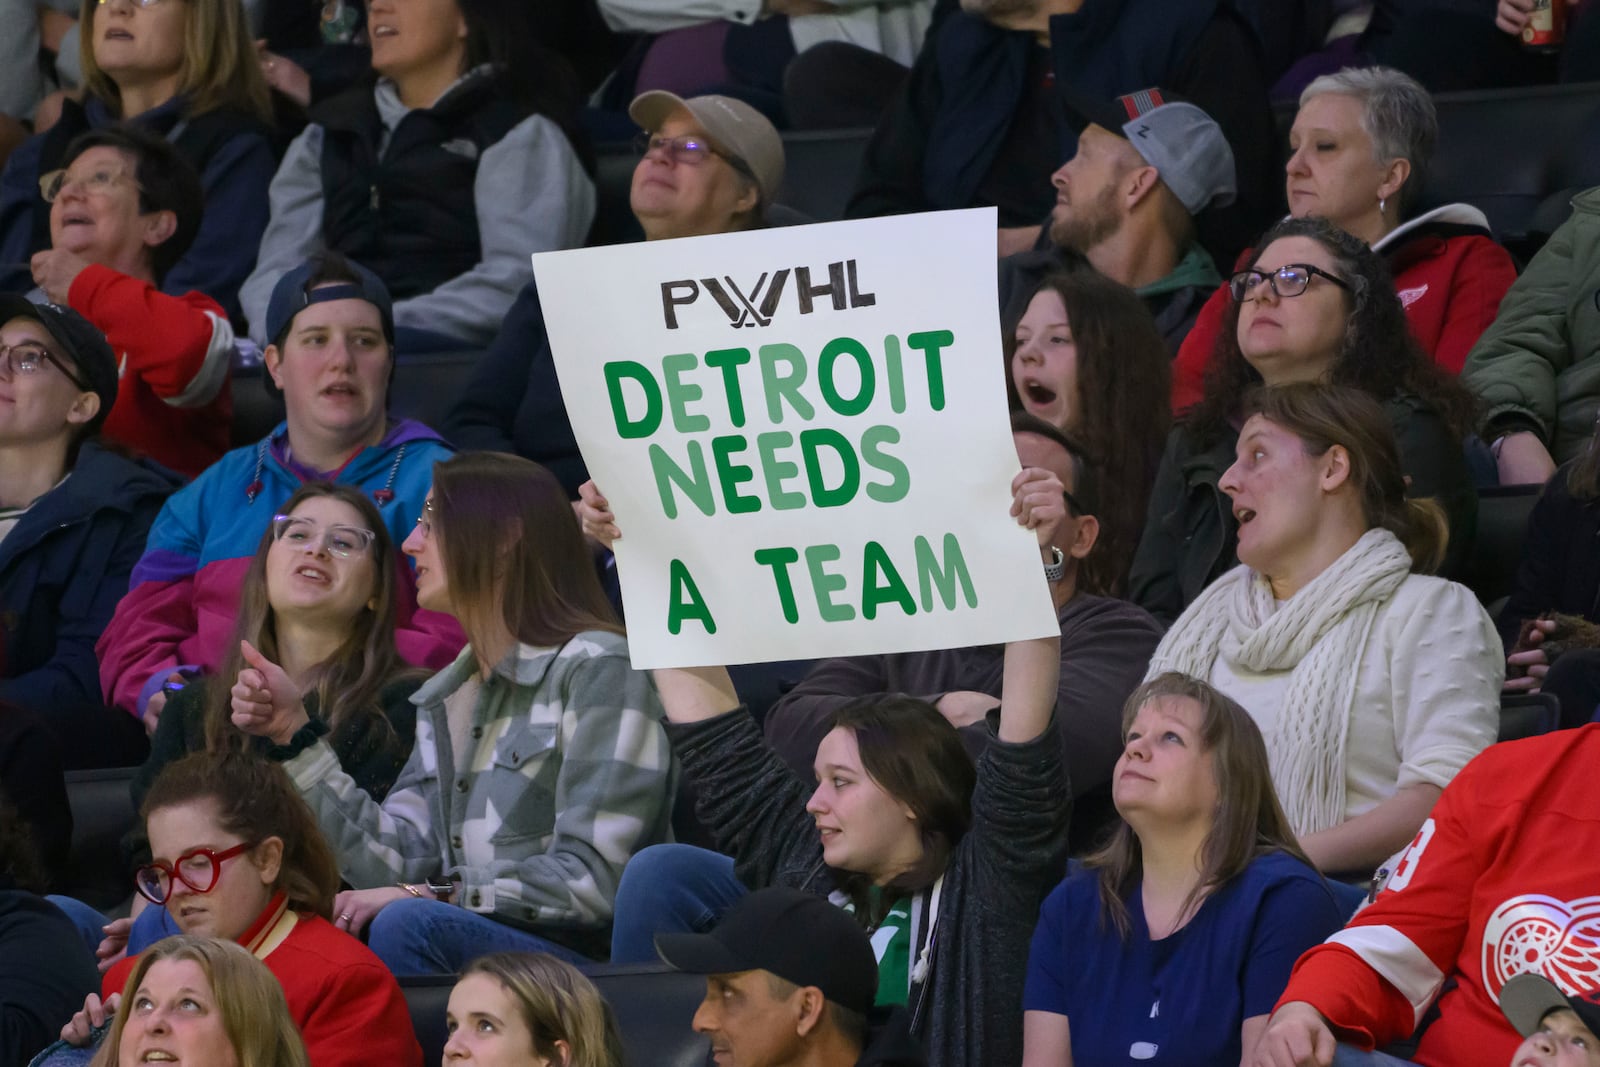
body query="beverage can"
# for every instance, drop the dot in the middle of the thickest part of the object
(1546, 24)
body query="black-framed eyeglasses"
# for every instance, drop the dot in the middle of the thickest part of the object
(340, 540)
(1291, 279)
(687, 149)
(29, 357)
(199, 869)
(1074, 508)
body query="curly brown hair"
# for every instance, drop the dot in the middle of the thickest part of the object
(1379, 355)
(1124, 412)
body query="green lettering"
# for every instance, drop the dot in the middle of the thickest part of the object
(728, 361)
(732, 475)
(779, 559)
(873, 456)
(932, 573)
(823, 584)
(686, 601)
(695, 485)
(616, 373)
(846, 346)
(896, 374)
(777, 470)
(929, 342)
(786, 386)
(680, 394)
(850, 481)
(875, 563)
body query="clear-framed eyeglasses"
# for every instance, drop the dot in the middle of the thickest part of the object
(341, 541)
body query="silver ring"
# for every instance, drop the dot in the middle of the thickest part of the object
(344, 916)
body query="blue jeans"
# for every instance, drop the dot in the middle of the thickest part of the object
(432, 937)
(670, 889)
(1348, 1056)
(86, 919)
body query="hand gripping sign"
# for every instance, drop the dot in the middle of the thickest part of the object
(803, 435)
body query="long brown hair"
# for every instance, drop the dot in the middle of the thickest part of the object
(1249, 821)
(1378, 354)
(558, 1003)
(220, 66)
(255, 1014)
(256, 800)
(916, 756)
(1124, 408)
(1583, 477)
(1323, 416)
(349, 684)
(510, 542)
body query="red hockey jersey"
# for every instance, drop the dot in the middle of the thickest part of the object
(1503, 879)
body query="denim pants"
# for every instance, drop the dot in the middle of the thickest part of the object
(1349, 1056)
(669, 889)
(431, 937)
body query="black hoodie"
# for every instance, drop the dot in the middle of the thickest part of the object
(889, 1041)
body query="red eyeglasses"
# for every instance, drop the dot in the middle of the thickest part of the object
(199, 869)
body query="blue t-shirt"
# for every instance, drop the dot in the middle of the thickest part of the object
(1180, 1000)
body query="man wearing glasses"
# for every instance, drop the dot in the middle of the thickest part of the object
(708, 164)
(73, 520)
(123, 210)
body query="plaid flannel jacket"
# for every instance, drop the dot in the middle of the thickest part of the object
(568, 775)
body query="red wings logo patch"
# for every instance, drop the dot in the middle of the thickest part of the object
(1540, 934)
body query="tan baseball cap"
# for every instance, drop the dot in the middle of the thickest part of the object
(734, 128)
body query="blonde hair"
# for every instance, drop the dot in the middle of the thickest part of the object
(557, 1004)
(220, 68)
(255, 1015)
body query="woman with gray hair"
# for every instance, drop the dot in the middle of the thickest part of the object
(1359, 152)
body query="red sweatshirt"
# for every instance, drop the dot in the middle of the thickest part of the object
(346, 1004)
(1450, 276)
(174, 355)
(1504, 878)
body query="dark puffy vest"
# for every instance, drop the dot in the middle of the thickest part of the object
(409, 215)
(197, 139)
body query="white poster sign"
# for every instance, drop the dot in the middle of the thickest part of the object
(803, 435)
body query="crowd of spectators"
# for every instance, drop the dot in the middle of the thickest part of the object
(1251, 805)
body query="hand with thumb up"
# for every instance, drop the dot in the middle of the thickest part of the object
(266, 702)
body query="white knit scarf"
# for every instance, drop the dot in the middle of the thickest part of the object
(1318, 634)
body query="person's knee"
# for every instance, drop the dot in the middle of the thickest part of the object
(399, 927)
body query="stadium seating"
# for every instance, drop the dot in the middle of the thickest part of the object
(654, 1006)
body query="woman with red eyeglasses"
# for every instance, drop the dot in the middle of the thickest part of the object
(239, 856)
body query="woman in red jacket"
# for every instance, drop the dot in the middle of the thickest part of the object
(1358, 156)
(238, 856)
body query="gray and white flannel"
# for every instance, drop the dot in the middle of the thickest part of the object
(568, 774)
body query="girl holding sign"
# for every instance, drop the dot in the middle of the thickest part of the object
(540, 765)
(945, 863)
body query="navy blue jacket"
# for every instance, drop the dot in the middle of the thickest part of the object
(513, 402)
(62, 570)
(946, 131)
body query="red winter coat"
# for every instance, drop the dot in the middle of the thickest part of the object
(1450, 275)
(174, 355)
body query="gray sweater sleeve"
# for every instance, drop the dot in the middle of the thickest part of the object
(754, 806)
(294, 231)
(531, 195)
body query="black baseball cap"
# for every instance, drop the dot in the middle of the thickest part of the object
(93, 362)
(798, 936)
(1528, 998)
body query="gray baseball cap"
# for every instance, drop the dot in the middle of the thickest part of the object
(733, 127)
(1182, 142)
